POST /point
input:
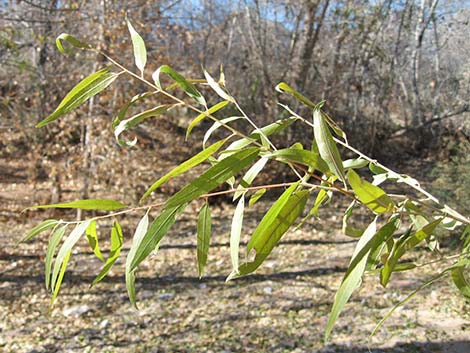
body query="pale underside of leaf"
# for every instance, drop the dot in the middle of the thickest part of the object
(140, 231)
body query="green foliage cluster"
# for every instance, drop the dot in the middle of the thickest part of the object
(400, 222)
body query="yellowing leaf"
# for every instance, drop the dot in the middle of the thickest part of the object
(370, 195)
(90, 204)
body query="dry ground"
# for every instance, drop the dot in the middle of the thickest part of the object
(282, 308)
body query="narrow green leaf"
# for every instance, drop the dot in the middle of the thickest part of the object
(72, 41)
(256, 196)
(214, 176)
(85, 89)
(369, 245)
(356, 163)
(460, 280)
(90, 204)
(154, 234)
(327, 146)
(301, 156)
(140, 53)
(266, 223)
(409, 297)
(347, 229)
(185, 166)
(273, 226)
(116, 246)
(352, 280)
(187, 87)
(93, 240)
(65, 250)
(405, 243)
(60, 277)
(249, 176)
(201, 116)
(139, 234)
(370, 195)
(216, 87)
(323, 197)
(235, 232)
(41, 227)
(137, 119)
(376, 169)
(203, 237)
(267, 130)
(215, 126)
(51, 247)
(122, 113)
(284, 87)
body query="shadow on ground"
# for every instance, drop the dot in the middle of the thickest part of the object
(412, 347)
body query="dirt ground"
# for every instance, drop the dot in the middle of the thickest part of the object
(282, 308)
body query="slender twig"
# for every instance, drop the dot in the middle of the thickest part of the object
(444, 209)
(169, 95)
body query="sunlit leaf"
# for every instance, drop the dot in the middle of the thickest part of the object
(137, 119)
(72, 41)
(51, 247)
(256, 196)
(65, 250)
(327, 146)
(370, 195)
(85, 89)
(273, 226)
(187, 87)
(235, 232)
(346, 228)
(356, 163)
(41, 227)
(90, 204)
(352, 280)
(408, 241)
(60, 277)
(301, 156)
(216, 125)
(203, 237)
(268, 130)
(122, 113)
(284, 87)
(116, 246)
(139, 234)
(93, 240)
(201, 116)
(155, 233)
(249, 176)
(214, 176)
(185, 166)
(140, 52)
(216, 87)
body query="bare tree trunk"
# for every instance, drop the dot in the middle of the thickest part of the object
(87, 123)
(311, 34)
(420, 29)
